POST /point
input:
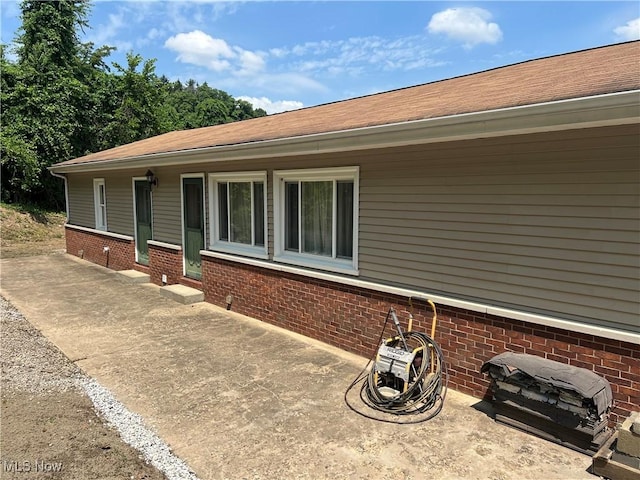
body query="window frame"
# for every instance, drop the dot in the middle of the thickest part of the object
(333, 263)
(100, 209)
(226, 246)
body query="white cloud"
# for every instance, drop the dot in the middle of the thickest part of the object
(355, 55)
(108, 33)
(271, 106)
(198, 48)
(630, 31)
(468, 25)
(237, 66)
(177, 16)
(278, 52)
(105, 32)
(282, 84)
(250, 62)
(154, 33)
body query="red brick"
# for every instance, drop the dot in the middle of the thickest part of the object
(564, 353)
(623, 367)
(90, 246)
(557, 358)
(351, 318)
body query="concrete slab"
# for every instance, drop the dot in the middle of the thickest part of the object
(182, 294)
(629, 437)
(239, 399)
(134, 276)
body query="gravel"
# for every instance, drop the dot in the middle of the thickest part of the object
(30, 362)
(134, 432)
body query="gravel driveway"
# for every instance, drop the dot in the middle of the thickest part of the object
(49, 424)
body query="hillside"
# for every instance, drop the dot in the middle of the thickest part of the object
(28, 231)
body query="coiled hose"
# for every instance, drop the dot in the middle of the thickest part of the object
(425, 396)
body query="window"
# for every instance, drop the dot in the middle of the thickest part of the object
(100, 203)
(238, 216)
(315, 218)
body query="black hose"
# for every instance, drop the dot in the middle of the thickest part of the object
(424, 398)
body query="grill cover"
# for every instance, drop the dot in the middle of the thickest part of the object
(582, 381)
(565, 404)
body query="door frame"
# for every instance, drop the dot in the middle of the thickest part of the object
(135, 214)
(204, 215)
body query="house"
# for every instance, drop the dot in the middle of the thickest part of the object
(509, 197)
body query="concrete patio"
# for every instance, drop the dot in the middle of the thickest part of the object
(239, 399)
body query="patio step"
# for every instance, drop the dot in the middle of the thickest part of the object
(134, 276)
(182, 294)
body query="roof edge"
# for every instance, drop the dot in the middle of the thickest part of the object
(618, 108)
(469, 74)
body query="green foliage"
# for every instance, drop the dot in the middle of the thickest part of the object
(41, 96)
(195, 106)
(137, 97)
(20, 166)
(49, 39)
(61, 100)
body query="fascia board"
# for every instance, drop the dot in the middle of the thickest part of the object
(587, 112)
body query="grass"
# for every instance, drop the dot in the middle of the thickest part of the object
(29, 230)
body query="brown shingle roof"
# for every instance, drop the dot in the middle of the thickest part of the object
(614, 68)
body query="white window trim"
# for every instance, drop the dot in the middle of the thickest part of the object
(101, 223)
(227, 246)
(349, 267)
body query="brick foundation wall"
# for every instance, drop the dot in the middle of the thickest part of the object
(191, 282)
(351, 318)
(90, 246)
(164, 261)
(469, 339)
(142, 268)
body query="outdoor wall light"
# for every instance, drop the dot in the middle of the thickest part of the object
(151, 178)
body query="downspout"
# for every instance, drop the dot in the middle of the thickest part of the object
(66, 192)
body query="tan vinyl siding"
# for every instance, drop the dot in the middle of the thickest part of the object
(119, 200)
(119, 204)
(81, 207)
(546, 223)
(166, 207)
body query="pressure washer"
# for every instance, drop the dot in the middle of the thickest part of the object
(408, 375)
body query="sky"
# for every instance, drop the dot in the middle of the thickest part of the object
(283, 55)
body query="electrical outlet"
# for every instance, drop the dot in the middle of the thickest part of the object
(105, 249)
(164, 278)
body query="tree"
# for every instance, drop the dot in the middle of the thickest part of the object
(202, 106)
(138, 97)
(243, 110)
(50, 33)
(60, 100)
(41, 97)
(18, 158)
(211, 111)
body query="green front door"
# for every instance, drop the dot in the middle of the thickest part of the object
(144, 227)
(193, 208)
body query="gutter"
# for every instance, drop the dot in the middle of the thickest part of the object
(66, 191)
(620, 108)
